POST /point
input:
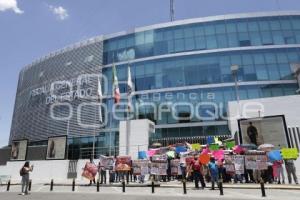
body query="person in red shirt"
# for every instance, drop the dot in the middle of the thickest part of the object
(196, 166)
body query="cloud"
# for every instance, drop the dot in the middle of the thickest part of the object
(60, 12)
(10, 5)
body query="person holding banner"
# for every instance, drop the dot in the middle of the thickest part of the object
(196, 167)
(291, 170)
(214, 172)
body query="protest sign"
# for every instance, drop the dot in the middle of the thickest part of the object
(107, 162)
(250, 162)
(239, 164)
(90, 171)
(262, 162)
(196, 147)
(289, 153)
(140, 167)
(158, 168)
(174, 167)
(123, 163)
(204, 159)
(219, 154)
(230, 144)
(159, 158)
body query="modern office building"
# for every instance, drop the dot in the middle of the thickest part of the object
(183, 68)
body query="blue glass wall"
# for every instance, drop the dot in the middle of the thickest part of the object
(202, 36)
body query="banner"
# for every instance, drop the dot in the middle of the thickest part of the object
(159, 158)
(229, 163)
(289, 153)
(214, 147)
(174, 167)
(123, 163)
(239, 164)
(56, 149)
(90, 171)
(158, 169)
(140, 167)
(107, 162)
(262, 162)
(230, 144)
(19, 150)
(250, 162)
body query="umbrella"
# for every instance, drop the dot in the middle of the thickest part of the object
(266, 147)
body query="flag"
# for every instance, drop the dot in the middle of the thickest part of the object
(99, 94)
(129, 83)
(116, 90)
(129, 87)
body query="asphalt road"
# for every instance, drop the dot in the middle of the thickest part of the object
(41, 192)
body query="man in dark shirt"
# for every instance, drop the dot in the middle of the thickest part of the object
(252, 133)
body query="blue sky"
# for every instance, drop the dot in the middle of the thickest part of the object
(30, 29)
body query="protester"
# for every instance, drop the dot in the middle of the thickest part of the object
(24, 172)
(102, 173)
(214, 172)
(196, 167)
(291, 170)
(278, 171)
(92, 181)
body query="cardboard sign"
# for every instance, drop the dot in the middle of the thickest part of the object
(158, 169)
(174, 167)
(107, 162)
(289, 153)
(123, 163)
(250, 162)
(239, 164)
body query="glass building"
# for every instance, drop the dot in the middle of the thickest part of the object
(181, 67)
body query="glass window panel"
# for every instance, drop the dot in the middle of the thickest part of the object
(149, 37)
(293, 57)
(270, 58)
(158, 36)
(275, 25)
(231, 28)
(253, 26)
(130, 41)
(285, 24)
(211, 42)
(220, 29)
(139, 38)
(170, 46)
(209, 30)
(273, 72)
(249, 73)
(243, 36)
(179, 45)
(255, 38)
(199, 30)
(236, 60)
(121, 43)
(232, 40)
(264, 25)
(222, 41)
(188, 32)
(278, 37)
(189, 44)
(200, 42)
(266, 38)
(253, 93)
(178, 33)
(276, 91)
(261, 72)
(297, 33)
(168, 34)
(266, 92)
(282, 58)
(285, 71)
(296, 23)
(258, 59)
(242, 27)
(247, 59)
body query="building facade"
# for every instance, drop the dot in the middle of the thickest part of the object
(181, 73)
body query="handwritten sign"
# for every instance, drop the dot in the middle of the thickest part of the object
(289, 153)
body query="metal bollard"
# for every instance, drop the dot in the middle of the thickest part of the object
(29, 186)
(123, 186)
(152, 186)
(184, 186)
(262, 187)
(51, 185)
(73, 185)
(221, 187)
(98, 186)
(8, 186)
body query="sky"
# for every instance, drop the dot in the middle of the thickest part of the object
(30, 29)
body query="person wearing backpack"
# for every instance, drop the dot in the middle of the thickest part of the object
(214, 172)
(197, 172)
(24, 173)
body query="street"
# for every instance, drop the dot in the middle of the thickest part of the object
(41, 192)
